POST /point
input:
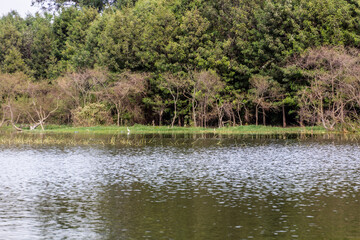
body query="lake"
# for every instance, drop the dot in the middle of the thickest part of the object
(182, 187)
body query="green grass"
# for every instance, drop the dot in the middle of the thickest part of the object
(142, 129)
(117, 136)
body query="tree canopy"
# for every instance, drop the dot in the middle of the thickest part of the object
(177, 50)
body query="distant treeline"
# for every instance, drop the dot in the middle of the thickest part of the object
(182, 62)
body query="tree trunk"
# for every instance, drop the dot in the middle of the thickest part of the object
(201, 117)
(160, 118)
(220, 114)
(205, 115)
(247, 118)
(239, 116)
(301, 120)
(264, 116)
(256, 115)
(194, 114)
(234, 119)
(284, 116)
(117, 114)
(220, 120)
(175, 114)
(193, 107)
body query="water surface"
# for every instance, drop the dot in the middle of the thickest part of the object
(183, 187)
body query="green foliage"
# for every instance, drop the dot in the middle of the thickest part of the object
(230, 42)
(13, 62)
(118, 43)
(70, 30)
(40, 45)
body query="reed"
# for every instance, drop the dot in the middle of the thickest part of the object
(67, 140)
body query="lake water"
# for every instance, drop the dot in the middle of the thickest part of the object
(183, 187)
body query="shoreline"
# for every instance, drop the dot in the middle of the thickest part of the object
(141, 135)
(143, 129)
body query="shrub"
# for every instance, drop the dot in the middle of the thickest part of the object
(91, 114)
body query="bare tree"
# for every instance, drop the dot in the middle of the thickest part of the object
(224, 107)
(176, 86)
(262, 94)
(125, 93)
(43, 102)
(334, 86)
(238, 103)
(11, 88)
(160, 105)
(206, 87)
(82, 86)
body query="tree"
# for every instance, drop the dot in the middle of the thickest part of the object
(176, 86)
(263, 94)
(11, 91)
(223, 106)
(194, 45)
(13, 62)
(12, 47)
(159, 105)
(282, 28)
(82, 86)
(125, 94)
(332, 97)
(158, 33)
(39, 47)
(70, 28)
(119, 41)
(206, 86)
(11, 30)
(238, 103)
(42, 103)
(92, 114)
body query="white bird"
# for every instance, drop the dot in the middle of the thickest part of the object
(128, 130)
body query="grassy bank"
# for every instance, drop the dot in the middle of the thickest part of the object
(141, 129)
(118, 136)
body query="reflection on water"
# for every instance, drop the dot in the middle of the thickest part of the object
(183, 187)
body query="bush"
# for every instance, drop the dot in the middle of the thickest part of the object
(91, 115)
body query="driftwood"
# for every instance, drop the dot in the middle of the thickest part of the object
(42, 116)
(16, 128)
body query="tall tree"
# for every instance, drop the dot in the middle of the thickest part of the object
(119, 41)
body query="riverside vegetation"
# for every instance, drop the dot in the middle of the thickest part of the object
(119, 135)
(173, 137)
(193, 63)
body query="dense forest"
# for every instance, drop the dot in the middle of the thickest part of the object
(182, 62)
